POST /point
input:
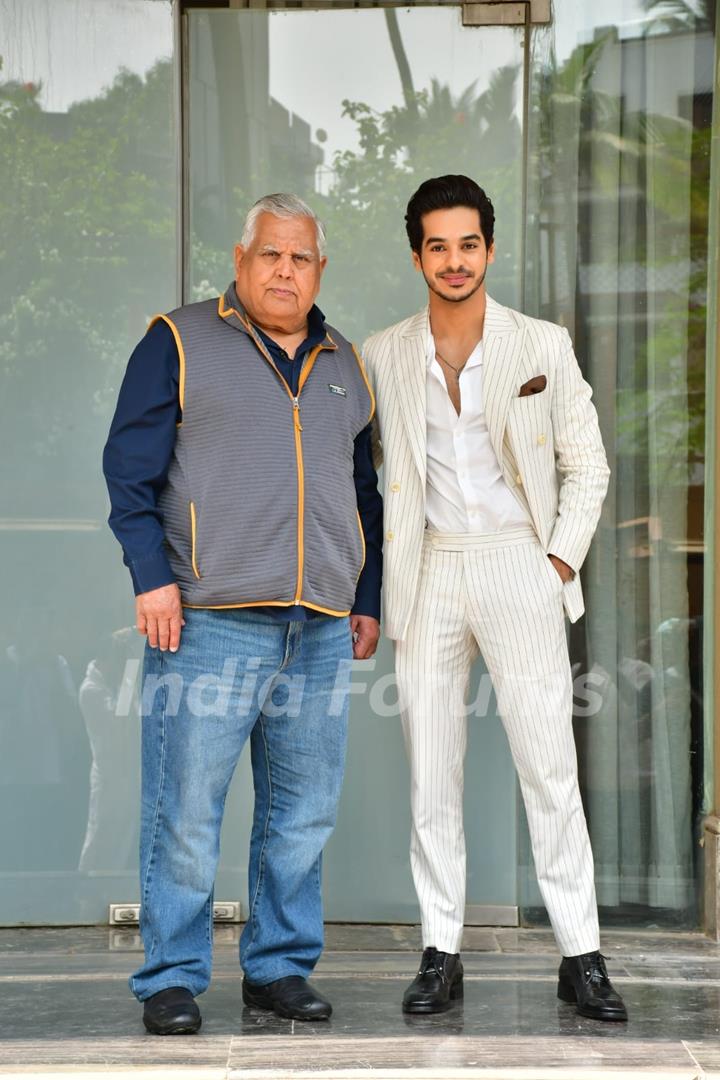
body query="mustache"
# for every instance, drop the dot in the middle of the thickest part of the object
(454, 273)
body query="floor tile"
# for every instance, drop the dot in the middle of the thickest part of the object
(625, 942)
(707, 1053)
(653, 943)
(534, 941)
(350, 936)
(671, 968)
(67, 1007)
(454, 1056)
(103, 1008)
(63, 940)
(142, 1051)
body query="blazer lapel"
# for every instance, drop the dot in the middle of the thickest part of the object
(410, 370)
(503, 340)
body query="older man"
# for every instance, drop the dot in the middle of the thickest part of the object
(244, 496)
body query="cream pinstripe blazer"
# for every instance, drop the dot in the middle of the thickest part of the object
(548, 444)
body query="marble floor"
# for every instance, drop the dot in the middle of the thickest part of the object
(65, 1009)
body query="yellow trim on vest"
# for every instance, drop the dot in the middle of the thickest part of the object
(249, 603)
(224, 312)
(308, 365)
(324, 610)
(367, 383)
(301, 499)
(304, 374)
(193, 536)
(181, 355)
(364, 549)
(266, 603)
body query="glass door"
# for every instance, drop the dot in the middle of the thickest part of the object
(352, 109)
(88, 210)
(606, 191)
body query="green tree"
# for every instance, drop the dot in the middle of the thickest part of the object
(471, 133)
(87, 227)
(683, 14)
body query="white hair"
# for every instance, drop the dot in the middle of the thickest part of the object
(283, 206)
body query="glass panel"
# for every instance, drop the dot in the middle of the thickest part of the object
(403, 95)
(354, 147)
(87, 216)
(620, 152)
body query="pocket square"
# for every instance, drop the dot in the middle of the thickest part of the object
(533, 386)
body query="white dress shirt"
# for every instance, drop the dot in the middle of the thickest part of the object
(466, 492)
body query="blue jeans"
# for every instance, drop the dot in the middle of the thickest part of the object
(239, 674)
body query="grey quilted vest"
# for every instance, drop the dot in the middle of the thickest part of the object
(260, 504)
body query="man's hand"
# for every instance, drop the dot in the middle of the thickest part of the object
(368, 634)
(566, 572)
(158, 615)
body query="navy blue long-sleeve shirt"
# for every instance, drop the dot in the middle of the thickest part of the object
(139, 451)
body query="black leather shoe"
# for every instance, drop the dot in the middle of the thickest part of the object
(293, 998)
(172, 1012)
(583, 981)
(437, 984)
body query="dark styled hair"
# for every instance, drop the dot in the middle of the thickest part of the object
(442, 193)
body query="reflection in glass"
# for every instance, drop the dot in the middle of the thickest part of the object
(87, 216)
(43, 747)
(620, 140)
(355, 147)
(110, 705)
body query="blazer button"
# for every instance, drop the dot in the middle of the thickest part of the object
(390, 536)
(541, 440)
(395, 487)
(518, 480)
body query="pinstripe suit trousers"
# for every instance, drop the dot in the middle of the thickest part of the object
(501, 596)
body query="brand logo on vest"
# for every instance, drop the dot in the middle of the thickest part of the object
(339, 390)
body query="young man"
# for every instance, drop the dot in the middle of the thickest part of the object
(495, 474)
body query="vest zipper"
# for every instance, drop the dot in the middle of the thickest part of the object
(301, 499)
(307, 368)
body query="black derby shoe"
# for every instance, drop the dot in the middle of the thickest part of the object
(292, 998)
(172, 1012)
(583, 981)
(437, 984)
